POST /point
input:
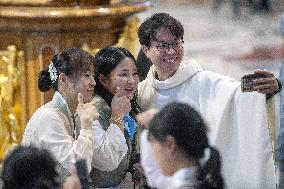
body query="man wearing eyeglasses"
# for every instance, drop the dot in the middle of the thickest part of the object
(240, 126)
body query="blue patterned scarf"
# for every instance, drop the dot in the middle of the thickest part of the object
(130, 125)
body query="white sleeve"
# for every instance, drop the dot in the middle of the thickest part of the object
(54, 137)
(110, 147)
(154, 176)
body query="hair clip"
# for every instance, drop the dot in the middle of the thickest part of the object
(52, 72)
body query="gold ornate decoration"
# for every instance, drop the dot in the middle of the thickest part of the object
(44, 30)
(41, 12)
(11, 100)
(127, 39)
(86, 47)
(53, 2)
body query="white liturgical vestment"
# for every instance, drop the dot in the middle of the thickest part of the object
(238, 123)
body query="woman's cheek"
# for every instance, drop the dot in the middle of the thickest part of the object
(119, 83)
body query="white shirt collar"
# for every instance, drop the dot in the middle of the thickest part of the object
(184, 177)
(186, 70)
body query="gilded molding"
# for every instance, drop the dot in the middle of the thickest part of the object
(71, 12)
(12, 99)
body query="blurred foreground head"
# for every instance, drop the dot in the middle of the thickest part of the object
(29, 168)
(178, 136)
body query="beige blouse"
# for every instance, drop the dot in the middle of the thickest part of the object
(53, 128)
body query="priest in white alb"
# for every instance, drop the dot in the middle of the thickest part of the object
(243, 126)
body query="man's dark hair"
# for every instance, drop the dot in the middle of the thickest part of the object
(150, 26)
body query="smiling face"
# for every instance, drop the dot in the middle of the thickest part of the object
(124, 76)
(166, 53)
(82, 84)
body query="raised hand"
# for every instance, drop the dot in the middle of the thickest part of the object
(72, 182)
(144, 118)
(87, 113)
(267, 84)
(120, 105)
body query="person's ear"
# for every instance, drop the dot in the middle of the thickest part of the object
(170, 143)
(62, 78)
(145, 50)
(103, 80)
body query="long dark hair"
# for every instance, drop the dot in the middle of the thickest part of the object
(30, 168)
(107, 60)
(187, 127)
(73, 62)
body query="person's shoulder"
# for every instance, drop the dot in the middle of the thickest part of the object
(142, 83)
(45, 111)
(209, 74)
(43, 119)
(213, 76)
(147, 82)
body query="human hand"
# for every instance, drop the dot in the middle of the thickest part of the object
(138, 169)
(267, 84)
(120, 105)
(144, 118)
(72, 182)
(87, 113)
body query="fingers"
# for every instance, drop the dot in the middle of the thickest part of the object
(74, 171)
(266, 85)
(72, 182)
(261, 81)
(120, 106)
(144, 118)
(138, 167)
(118, 93)
(264, 72)
(95, 113)
(266, 90)
(91, 112)
(87, 115)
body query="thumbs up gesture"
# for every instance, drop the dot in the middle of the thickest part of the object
(87, 112)
(120, 104)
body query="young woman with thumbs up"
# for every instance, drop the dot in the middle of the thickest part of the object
(115, 99)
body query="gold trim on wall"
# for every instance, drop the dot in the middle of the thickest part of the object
(12, 99)
(73, 12)
(127, 39)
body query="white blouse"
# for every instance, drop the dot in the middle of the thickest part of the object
(52, 127)
(184, 179)
(239, 123)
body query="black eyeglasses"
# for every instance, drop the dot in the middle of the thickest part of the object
(165, 46)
